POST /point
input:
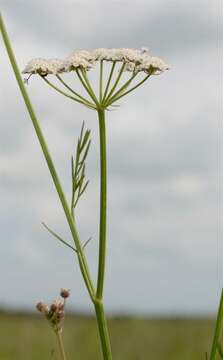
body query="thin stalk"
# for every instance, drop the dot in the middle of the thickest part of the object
(218, 328)
(86, 103)
(71, 90)
(130, 90)
(58, 237)
(109, 81)
(116, 83)
(103, 331)
(103, 204)
(81, 256)
(85, 76)
(85, 85)
(122, 88)
(101, 81)
(61, 345)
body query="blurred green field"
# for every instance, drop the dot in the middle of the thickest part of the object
(29, 337)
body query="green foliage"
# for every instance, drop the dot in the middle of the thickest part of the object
(58, 237)
(216, 350)
(79, 183)
(24, 337)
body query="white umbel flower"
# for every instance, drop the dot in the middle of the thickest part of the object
(80, 59)
(135, 60)
(151, 64)
(43, 66)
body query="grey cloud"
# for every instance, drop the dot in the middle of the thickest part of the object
(167, 27)
(194, 148)
(165, 157)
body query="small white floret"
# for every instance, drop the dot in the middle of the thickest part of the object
(135, 60)
(43, 66)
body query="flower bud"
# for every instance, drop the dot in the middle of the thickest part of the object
(65, 293)
(40, 306)
(53, 307)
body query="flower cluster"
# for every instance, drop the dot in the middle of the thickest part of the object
(134, 60)
(55, 312)
(43, 66)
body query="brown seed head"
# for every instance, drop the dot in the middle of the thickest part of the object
(54, 307)
(40, 306)
(65, 293)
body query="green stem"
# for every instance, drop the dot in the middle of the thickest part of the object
(99, 309)
(71, 90)
(81, 256)
(130, 90)
(109, 81)
(103, 204)
(218, 328)
(103, 331)
(88, 84)
(120, 91)
(85, 85)
(61, 345)
(86, 103)
(101, 81)
(115, 84)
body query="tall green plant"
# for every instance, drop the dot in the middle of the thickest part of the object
(135, 62)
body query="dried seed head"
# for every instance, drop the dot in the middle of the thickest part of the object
(53, 307)
(55, 312)
(65, 293)
(43, 308)
(40, 306)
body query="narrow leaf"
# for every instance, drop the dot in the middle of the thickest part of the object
(84, 188)
(58, 237)
(86, 242)
(85, 139)
(86, 152)
(82, 130)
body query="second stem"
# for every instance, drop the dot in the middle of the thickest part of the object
(99, 309)
(103, 204)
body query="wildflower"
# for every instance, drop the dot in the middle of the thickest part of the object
(41, 307)
(64, 293)
(43, 66)
(136, 60)
(55, 313)
(80, 59)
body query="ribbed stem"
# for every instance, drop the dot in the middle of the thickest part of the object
(103, 204)
(103, 331)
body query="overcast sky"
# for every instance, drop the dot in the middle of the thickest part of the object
(165, 250)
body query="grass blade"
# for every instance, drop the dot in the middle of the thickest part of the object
(218, 328)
